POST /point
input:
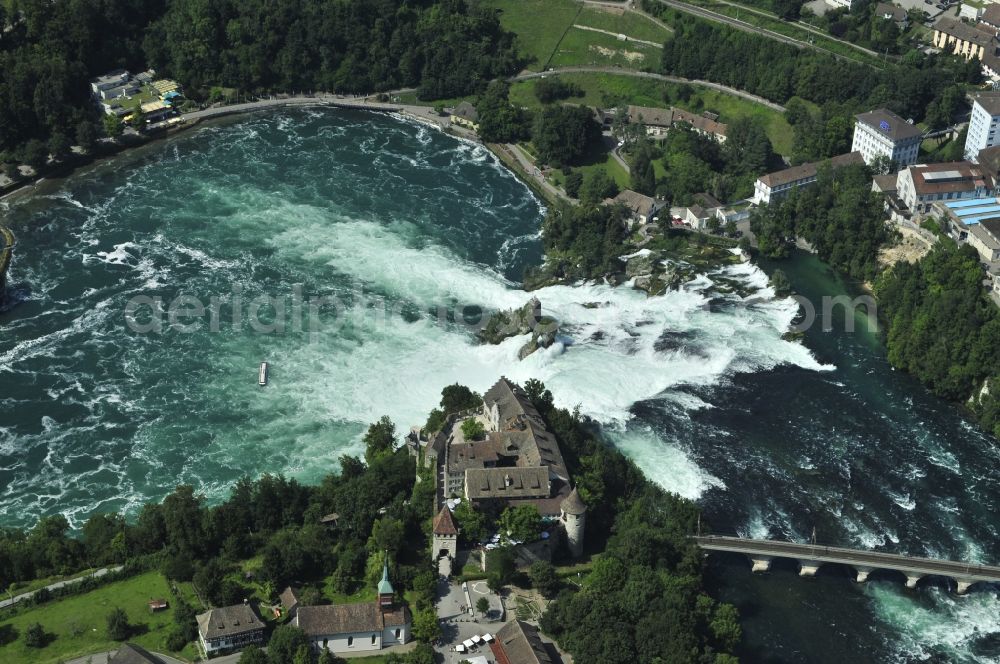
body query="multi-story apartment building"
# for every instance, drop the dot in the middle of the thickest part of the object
(882, 133)
(984, 124)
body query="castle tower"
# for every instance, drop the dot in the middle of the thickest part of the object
(386, 594)
(445, 535)
(573, 514)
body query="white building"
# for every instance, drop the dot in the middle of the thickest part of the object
(229, 628)
(113, 79)
(346, 628)
(984, 125)
(882, 133)
(919, 187)
(573, 515)
(777, 185)
(984, 237)
(970, 12)
(840, 3)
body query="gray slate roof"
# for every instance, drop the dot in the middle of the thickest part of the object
(990, 101)
(522, 429)
(130, 653)
(653, 117)
(521, 643)
(899, 129)
(991, 15)
(808, 170)
(228, 620)
(289, 598)
(964, 32)
(573, 504)
(467, 111)
(528, 482)
(884, 9)
(348, 618)
(637, 203)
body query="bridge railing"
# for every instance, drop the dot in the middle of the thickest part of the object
(847, 555)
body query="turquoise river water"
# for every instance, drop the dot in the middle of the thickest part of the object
(406, 232)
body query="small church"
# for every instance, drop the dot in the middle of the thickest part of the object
(347, 628)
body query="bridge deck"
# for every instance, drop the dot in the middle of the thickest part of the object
(867, 559)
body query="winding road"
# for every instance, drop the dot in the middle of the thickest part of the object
(525, 76)
(59, 584)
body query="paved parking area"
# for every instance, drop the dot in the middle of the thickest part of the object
(458, 623)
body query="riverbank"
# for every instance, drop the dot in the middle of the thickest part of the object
(187, 121)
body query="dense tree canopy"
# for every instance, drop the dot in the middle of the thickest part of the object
(642, 601)
(918, 85)
(839, 215)
(50, 50)
(445, 48)
(499, 120)
(940, 326)
(583, 242)
(562, 134)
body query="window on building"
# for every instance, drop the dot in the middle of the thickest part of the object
(373, 639)
(350, 641)
(397, 633)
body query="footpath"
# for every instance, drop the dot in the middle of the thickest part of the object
(59, 584)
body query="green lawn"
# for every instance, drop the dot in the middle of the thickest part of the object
(633, 24)
(79, 627)
(365, 593)
(597, 160)
(147, 94)
(538, 24)
(609, 90)
(585, 47)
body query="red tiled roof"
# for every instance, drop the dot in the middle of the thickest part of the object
(965, 177)
(444, 524)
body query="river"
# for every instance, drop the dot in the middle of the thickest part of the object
(406, 232)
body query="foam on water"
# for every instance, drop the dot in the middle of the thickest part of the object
(667, 464)
(936, 623)
(104, 419)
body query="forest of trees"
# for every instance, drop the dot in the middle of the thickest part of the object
(918, 87)
(643, 602)
(381, 507)
(583, 241)
(694, 163)
(942, 328)
(839, 215)
(779, 71)
(49, 51)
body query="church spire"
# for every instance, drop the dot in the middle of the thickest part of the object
(385, 590)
